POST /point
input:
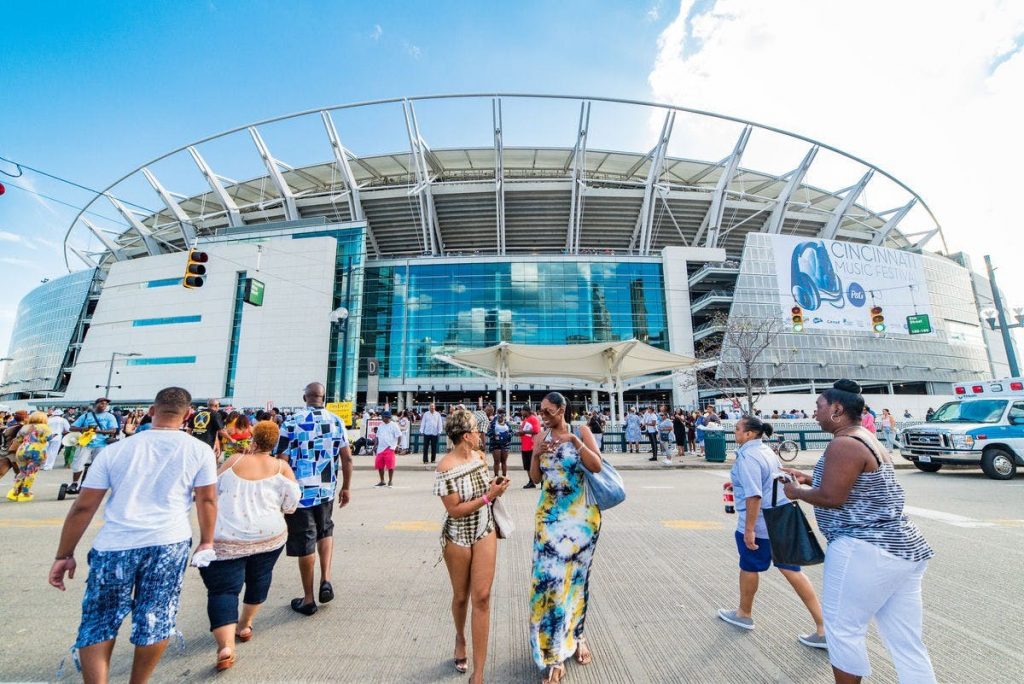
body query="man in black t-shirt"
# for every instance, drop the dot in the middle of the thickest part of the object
(207, 425)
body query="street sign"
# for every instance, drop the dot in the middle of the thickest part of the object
(254, 291)
(342, 409)
(919, 324)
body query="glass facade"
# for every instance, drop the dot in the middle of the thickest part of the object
(43, 329)
(236, 334)
(412, 311)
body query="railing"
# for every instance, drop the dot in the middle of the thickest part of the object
(706, 298)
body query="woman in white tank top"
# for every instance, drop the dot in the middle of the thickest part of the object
(254, 491)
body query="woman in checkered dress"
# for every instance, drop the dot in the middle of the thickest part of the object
(468, 540)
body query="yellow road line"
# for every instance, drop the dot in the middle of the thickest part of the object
(691, 524)
(32, 522)
(414, 526)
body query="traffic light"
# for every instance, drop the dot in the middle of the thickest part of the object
(877, 319)
(797, 316)
(195, 270)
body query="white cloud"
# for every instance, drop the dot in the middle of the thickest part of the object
(931, 92)
(17, 261)
(654, 11)
(7, 237)
(413, 50)
(377, 32)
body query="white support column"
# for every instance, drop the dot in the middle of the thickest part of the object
(893, 221)
(110, 245)
(796, 177)
(677, 308)
(152, 246)
(831, 228)
(234, 215)
(643, 233)
(713, 219)
(291, 211)
(188, 231)
(499, 173)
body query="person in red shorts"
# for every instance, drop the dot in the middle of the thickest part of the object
(388, 438)
(528, 429)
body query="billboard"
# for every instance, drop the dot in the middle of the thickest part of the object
(836, 284)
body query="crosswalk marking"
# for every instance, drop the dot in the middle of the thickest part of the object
(691, 524)
(413, 526)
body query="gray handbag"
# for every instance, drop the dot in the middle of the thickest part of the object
(503, 524)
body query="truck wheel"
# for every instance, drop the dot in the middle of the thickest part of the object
(928, 467)
(998, 464)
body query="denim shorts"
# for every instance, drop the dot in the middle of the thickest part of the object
(145, 582)
(224, 580)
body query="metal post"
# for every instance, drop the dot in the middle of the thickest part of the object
(1011, 357)
(344, 330)
(110, 375)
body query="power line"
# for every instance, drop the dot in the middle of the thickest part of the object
(20, 167)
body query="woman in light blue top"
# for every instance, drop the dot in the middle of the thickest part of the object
(633, 432)
(752, 477)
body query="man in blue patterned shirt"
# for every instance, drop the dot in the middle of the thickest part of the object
(315, 443)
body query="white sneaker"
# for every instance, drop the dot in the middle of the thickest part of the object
(667, 461)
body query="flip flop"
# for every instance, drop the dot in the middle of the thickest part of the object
(225, 663)
(462, 665)
(245, 638)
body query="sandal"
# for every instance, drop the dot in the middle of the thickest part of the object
(554, 674)
(225, 663)
(583, 657)
(462, 665)
(245, 638)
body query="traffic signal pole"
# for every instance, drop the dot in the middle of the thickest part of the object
(1011, 356)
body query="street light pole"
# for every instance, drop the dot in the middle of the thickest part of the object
(110, 370)
(1004, 327)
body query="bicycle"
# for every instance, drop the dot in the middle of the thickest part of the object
(785, 449)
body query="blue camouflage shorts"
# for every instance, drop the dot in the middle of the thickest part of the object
(145, 582)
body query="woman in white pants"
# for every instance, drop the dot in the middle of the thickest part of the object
(876, 557)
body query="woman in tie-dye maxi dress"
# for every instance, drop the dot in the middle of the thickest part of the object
(563, 547)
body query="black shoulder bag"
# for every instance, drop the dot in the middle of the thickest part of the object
(793, 541)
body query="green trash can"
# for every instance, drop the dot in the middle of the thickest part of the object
(714, 445)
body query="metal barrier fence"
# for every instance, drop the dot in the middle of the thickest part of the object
(807, 435)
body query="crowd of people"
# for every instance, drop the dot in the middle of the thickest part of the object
(266, 482)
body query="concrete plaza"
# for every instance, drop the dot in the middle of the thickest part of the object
(666, 561)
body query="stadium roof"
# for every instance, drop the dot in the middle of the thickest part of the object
(500, 200)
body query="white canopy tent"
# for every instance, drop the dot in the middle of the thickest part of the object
(608, 364)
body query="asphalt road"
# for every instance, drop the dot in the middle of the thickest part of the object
(665, 562)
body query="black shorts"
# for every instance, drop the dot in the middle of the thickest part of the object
(307, 526)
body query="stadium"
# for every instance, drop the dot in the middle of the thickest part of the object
(457, 234)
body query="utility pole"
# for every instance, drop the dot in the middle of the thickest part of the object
(1004, 327)
(110, 371)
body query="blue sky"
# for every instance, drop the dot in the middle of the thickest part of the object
(91, 90)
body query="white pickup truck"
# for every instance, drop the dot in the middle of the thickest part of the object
(985, 427)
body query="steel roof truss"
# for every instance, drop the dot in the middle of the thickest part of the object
(291, 212)
(499, 173)
(188, 231)
(579, 169)
(831, 228)
(234, 215)
(152, 246)
(111, 246)
(893, 221)
(428, 213)
(642, 234)
(796, 177)
(717, 208)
